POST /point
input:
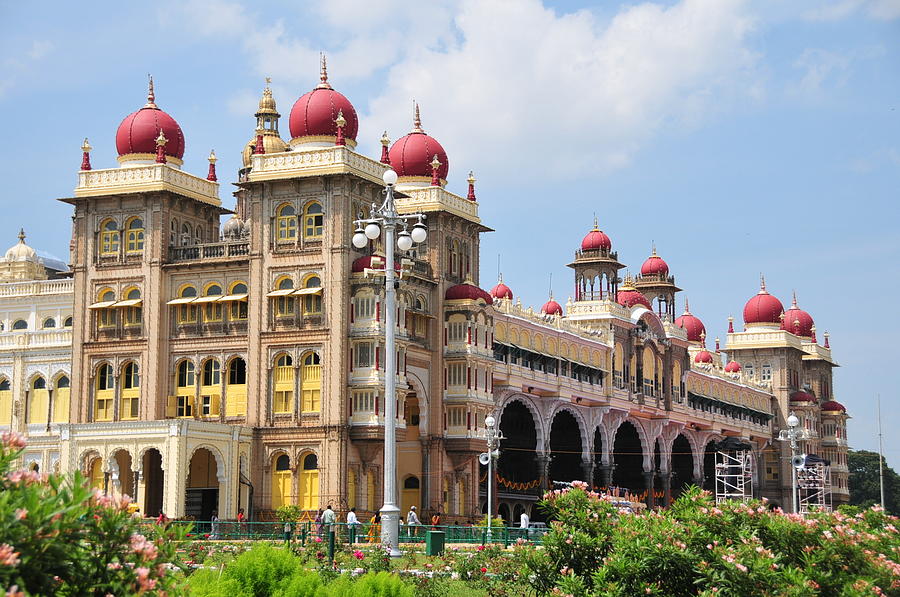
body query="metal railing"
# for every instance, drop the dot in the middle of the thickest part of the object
(358, 534)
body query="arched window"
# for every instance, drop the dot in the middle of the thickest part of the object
(104, 393)
(131, 391)
(5, 402)
(309, 483)
(283, 398)
(182, 404)
(173, 233)
(39, 401)
(134, 236)
(185, 304)
(106, 315)
(282, 478)
(237, 298)
(132, 307)
(49, 323)
(313, 221)
(68, 322)
(410, 495)
(186, 234)
(210, 388)
(61, 400)
(212, 306)
(236, 389)
(284, 301)
(312, 295)
(286, 223)
(20, 324)
(109, 238)
(311, 383)
(198, 235)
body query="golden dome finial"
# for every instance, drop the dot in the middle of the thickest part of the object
(212, 156)
(653, 249)
(161, 139)
(762, 282)
(435, 162)
(417, 120)
(471, 178)
(267, 101)
(385, 140)
(596, 222)
(340, 120)
(323, 73)
(21, 236)
(794, 301)
(86, 147)
(151, 96)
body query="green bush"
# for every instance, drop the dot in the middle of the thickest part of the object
(262, 569)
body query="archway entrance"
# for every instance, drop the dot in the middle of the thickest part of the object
(519, 444)
(503, 512)
(629, 459)
(309, 483)
(682, 465)
(281, 482)
(709, 467)
(565, 448)
(411, 495)
(95, 473)
(202, 494)
(123, 477)
(598, 480)
(153, 482)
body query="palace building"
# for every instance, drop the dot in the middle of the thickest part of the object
(200, 367)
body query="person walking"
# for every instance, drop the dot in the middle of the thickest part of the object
(523, 524)
(352, 525)
(328, 519)
(318, 521)
(412, 521)
(374, 528)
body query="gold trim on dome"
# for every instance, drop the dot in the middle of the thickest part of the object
(138, 157)
(423, 179)
(322, 138)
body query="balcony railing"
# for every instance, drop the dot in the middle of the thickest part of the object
(210, 251)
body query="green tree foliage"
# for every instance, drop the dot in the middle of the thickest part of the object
(58, 537)
(864, 487)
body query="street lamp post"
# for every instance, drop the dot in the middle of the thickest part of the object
(367, 229)
(792, 434)
(493, 437)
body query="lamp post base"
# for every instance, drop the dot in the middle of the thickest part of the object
(390, 529)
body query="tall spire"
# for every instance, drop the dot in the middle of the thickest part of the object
(323, 74)
(762, 284)
(385, 141)
(151, 96)
(471, 181)
(417, 121)
(687, 306)
(794, 302)
(211, 175)
(21, 236)
(161, 148)
(435, 166)
(86, 155)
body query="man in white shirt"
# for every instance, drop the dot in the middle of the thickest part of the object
(523, 521)
(352, 524)
(412, 520)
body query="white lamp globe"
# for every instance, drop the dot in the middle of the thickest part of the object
(359, 239)
(404, 241)
(419, 233)
(372, 231)
(793, 421)
(490, 421)
(389, 177)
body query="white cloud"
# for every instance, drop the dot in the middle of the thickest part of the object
(819, 67)
(882, 10)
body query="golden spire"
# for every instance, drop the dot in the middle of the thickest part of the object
(86, 147)
(212, 156)
(22, 236)
(794, 302)
(596, 223)
(471, 178)
(151, 96)
(435, 162)
(161, 139)
(417, 121)
(385, 140)
(340, 120)
(762, 284)
(687, 305)
(323, 73)
(653, 249)
(267, 101)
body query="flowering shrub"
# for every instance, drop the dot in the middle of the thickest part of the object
(698, 548)
(59, 537)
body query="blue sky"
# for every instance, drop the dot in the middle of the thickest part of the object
(741, 137)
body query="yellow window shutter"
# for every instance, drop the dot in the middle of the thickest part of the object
(171, 404)
(214, 405)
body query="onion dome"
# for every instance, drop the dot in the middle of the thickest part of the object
(551, 307)
(629, 296)
(763, 309)
(704, 356)
(266, 128)
(801, 396)
(469, 292)
(596, 239)
(233, 228)
(655, 266)
(501, 290)
(691, 324)
(733, 367)
(136, 136)
(20, 251)
(797, 321)
(313, 116)
(365, 262)
(411, 156)
(833, 406)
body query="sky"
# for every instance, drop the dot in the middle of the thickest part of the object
(739, 137)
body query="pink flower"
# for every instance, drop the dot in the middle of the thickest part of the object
(318, 539)
(21, 513)
(359, 555)
(8, 557)
(12, 439)
(481, 548)
(143, 547)
(483, 569)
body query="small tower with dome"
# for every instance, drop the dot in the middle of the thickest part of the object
(21, 263)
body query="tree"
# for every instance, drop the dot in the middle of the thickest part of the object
(864, 488)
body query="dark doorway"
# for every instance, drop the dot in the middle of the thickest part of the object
(565, 448)
(519, 447)
(629, 459)
(154, 481)
(682, 465)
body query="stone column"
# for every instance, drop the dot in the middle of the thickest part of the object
(543, 463)
(587, 466)
(648, 485)
(606, 472)
(666, 480)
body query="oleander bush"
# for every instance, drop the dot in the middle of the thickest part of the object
(699, 548)
(59, 537)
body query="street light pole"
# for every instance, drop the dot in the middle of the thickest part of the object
(386, 217)
(792, 434)
(493, 437)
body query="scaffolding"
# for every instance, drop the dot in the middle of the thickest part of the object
(814, 485)
(734, 475)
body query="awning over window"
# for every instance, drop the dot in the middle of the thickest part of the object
(182, 300)
(308, 291)
(207, 299)
(281, 292)
(102, 305)
(129, 303)
(229, 298)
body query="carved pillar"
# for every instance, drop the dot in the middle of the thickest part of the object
(543, 463)
(606, 471)
(587, 466)
(666, 479)
(648, 485)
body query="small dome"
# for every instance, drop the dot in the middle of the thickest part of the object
(551, 307)
(412, 154)
(801, 396)
(797, 321)
(733, 367)
(691, 324)
(655, 266)
(596, 239)
(468, 292)
(763, 308)
(628, 296)
(313, 115)
(704, 356)
(365, 262)
(20, 251)
(501, 290)
(833, 406)
(233, 228)
(272, 143)
(136, 136)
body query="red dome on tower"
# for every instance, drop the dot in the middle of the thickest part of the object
(797, 321)
(136, 136)
(596, 239)
(629, 296)
(834, 406)
(501, 290)
(313, 115)
(704, 356)
(655, 266)
(551, 307)
(733, 367)
(467, 292)
(801, 396)
(360, 264)
(763, 308)
(691, 324)
(412, 154)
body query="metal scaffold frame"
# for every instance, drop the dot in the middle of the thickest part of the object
(734, 476)
(814, 487)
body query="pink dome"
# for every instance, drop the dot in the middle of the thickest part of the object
(704, 356)
(314, 114)
(629, 298)
(732, 367)
(691, 324)
(834, 406)
(467, 292)
(655, 266)
(801, 396)
(365, 262)
(551, 307)
(501, 290)
(763, 308)
(139, 130)
(411, 155)
(596, 239)
(797, 321)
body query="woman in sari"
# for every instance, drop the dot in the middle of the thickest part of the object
(374, 535)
